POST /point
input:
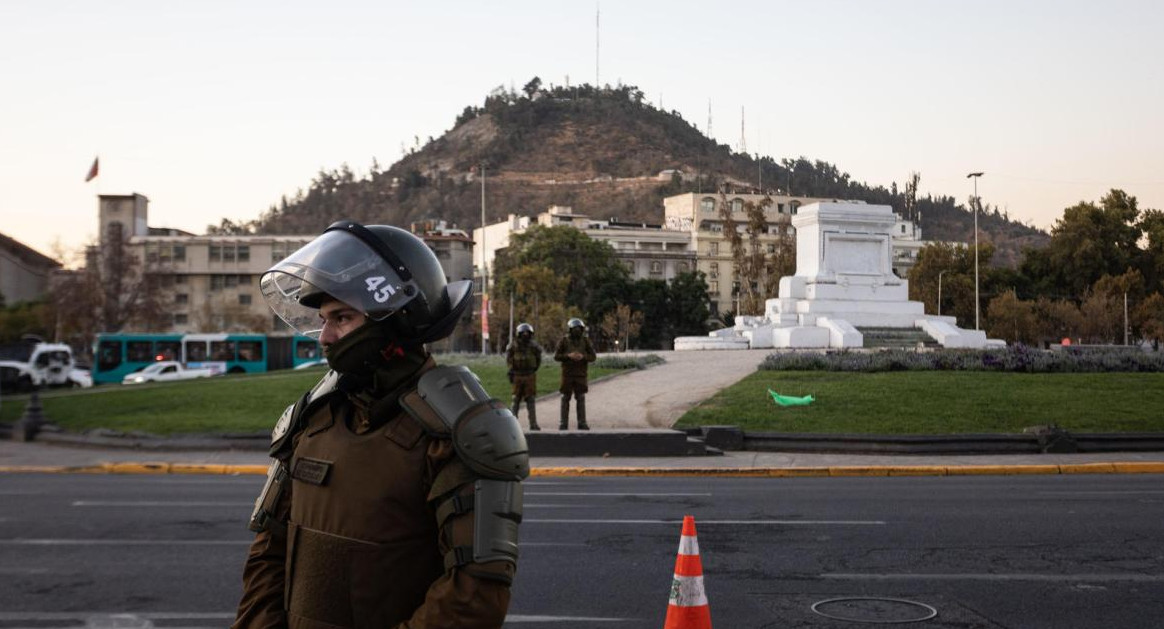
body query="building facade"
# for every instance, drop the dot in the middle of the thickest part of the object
(24, 272)
(210, 283)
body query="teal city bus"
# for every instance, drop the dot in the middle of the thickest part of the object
(120, 354)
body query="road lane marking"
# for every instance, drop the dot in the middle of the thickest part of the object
(157, 503)
(121, 542)
(1130, 492)
(614, 493)
(711, 522)
(35, 616)
(978, 576)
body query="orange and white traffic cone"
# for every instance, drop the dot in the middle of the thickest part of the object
(688, 606)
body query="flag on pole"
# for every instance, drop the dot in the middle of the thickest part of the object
(92, 171)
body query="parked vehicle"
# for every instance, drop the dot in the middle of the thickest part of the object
(32, 363)
(166, 371)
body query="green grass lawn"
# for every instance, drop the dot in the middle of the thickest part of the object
(225, 404)
(936, 402)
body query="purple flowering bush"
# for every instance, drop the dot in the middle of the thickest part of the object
(1018, 358)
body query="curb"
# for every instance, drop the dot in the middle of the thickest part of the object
(743, 472)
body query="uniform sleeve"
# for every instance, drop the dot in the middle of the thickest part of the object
(560, 353)
(468, 596)
(590, 355)
(262, 605)
(537, 350)
(509, 356)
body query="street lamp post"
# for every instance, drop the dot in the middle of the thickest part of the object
(940, 274)
(975, 177)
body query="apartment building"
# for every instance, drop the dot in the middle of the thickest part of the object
(24, 271)
(210, 283)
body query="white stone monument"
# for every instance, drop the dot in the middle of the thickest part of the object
(844, 281)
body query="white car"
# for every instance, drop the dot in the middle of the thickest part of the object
(165, 371)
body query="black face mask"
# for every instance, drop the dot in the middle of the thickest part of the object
(576, 333)
(361, 352)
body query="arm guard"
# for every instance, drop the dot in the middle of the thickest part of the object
(490, 444)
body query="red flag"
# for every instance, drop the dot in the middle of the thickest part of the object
(92, 171)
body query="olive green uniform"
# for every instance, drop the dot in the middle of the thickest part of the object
(575, 376)
(366, 538)
(524, 358)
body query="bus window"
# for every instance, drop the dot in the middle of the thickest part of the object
(166, 350)
(108, 355)
(139, 351)
(195, 351)
(221, 350)
(250, 351)
(306, 349)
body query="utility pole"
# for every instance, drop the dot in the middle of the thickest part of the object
(975, 177)
(484, 273)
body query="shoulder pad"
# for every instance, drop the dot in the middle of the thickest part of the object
(289, 422)
(485, 433)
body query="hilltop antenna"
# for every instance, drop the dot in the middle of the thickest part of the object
(597, 40)
(709, 118)
(743, 140)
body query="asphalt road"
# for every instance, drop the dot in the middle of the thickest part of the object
(1031, 552)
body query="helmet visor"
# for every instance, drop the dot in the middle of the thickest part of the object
(336, 265)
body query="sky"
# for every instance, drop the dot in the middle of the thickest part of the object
(214, 109)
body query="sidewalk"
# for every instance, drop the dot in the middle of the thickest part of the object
(649, 399)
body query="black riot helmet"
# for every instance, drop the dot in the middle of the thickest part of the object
(526, 329)
(575, 323)
(384, 272)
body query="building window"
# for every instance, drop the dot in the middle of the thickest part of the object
(771, 248)
(244, 300)
(737, 205)
(244, 253)
(713, 287)
(682, 267)
(714, 270)
(228, 253)
(707, 205)
(656, 267)
(795, 205)
(779, 208)
(179, 279)
(181, 318)
(713, 248)
(181, 298)
(179, 253)
(216, 282)
(244, 280)
(230, 281)
(215, 253)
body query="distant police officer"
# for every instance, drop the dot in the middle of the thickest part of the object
(524, 357)
(575, 353)
(394, 497)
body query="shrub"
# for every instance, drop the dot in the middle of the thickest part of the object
(628, 362)
(1018, 358)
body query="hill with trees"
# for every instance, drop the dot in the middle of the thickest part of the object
(600, 151)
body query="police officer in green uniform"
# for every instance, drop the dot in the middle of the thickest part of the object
(575, 353)
(394, 496)
(524, 357)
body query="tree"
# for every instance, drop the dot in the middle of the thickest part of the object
(952, 266)
(596, 280)
(1148, 319)
(622, 325)
(537, 296)
(1013, 319)
(689, 304)
(1088, 242)
(756, 273)
(1058, 318)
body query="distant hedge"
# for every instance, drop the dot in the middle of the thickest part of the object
(628, 362)
(1013, 359)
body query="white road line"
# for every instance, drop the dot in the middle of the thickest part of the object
(702, 523)
(40, 617)
(614, 493)
(122, 542)
(1130, 492)
(1069, 578)
(157, 503)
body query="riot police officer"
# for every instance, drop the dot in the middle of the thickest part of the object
(575, 353)
(524, 357)
(394, 496)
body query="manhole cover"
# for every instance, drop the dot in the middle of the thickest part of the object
(873, 609)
